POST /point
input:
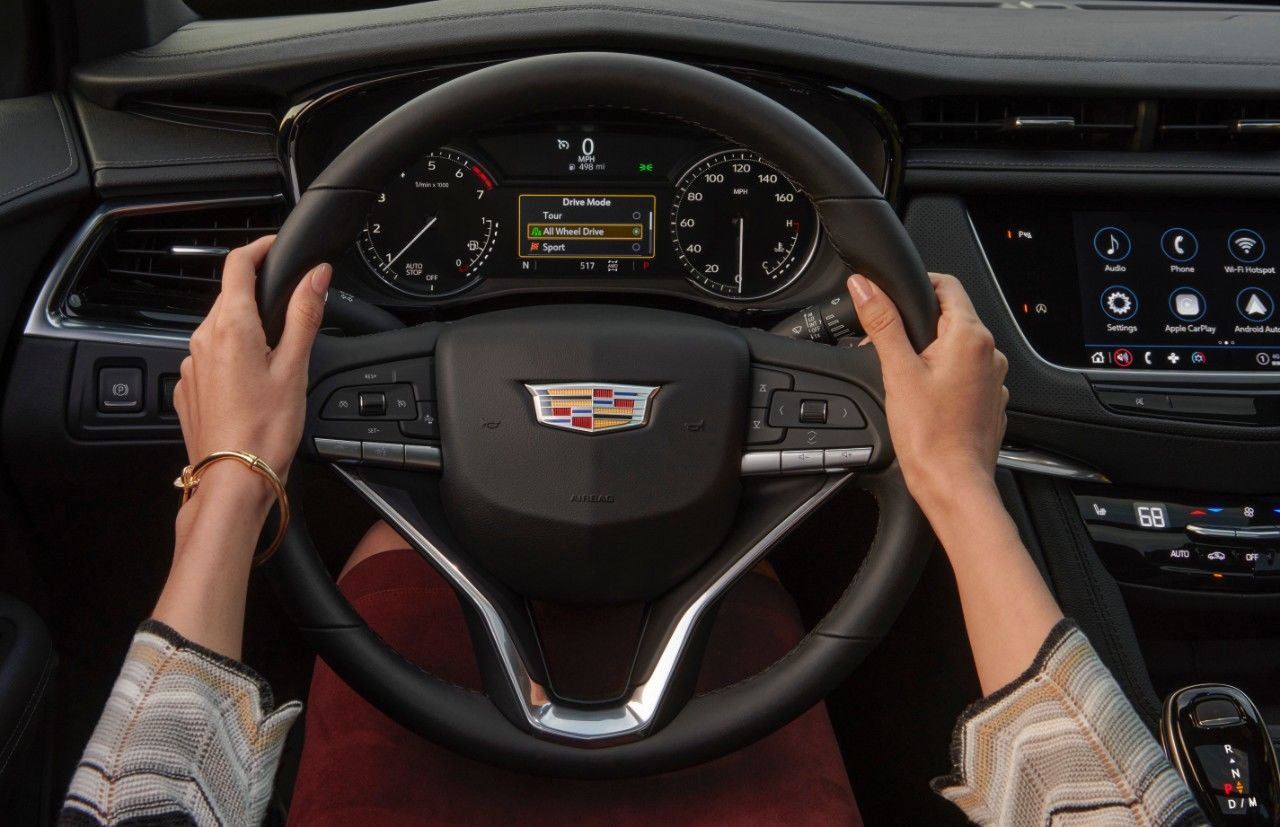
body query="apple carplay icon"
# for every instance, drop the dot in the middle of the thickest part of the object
(1255, 304)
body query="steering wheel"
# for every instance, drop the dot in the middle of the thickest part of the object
(663, 505)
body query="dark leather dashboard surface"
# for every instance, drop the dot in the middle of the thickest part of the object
(906, 49)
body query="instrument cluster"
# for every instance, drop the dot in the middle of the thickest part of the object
(595, 201)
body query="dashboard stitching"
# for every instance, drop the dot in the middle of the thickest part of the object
(71, 159)
(152, 54)
(124, 164)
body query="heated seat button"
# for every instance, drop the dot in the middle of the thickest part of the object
(120, 390)
(373, 403)
(813, 412)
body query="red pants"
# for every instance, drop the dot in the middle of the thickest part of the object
(359, 767)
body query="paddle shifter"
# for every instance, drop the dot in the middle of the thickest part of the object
(1219, 744)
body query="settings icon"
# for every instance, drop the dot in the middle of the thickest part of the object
(1120, 303)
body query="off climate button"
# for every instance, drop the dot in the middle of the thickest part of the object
(1112, 244)
(1179, 244)
(1255, 304)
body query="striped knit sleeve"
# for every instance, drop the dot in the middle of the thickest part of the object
(1062, 745)
(187, 737)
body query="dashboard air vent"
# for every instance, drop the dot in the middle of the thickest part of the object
(163, 268)
(1218, 124)
(1021, 123)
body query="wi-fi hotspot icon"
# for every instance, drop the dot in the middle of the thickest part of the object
(1246, 245)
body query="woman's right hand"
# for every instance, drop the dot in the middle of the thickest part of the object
(945, 406)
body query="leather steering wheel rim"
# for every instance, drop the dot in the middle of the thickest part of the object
(861, 226)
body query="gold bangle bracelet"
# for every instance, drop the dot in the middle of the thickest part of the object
(190, 480)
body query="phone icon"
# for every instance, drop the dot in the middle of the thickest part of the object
(1179, 244)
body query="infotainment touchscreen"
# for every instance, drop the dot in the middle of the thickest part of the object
(1192, 287)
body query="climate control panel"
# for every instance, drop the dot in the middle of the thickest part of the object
(1191, 542)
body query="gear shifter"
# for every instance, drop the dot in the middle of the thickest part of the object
(1219, 744)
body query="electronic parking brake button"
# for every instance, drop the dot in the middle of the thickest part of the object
(120, 390)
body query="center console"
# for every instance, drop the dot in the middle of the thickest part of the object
(1169, 307)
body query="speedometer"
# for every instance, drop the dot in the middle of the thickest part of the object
(432, 229)
(742, 230)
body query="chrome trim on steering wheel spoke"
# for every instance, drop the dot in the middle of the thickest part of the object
(633, 717)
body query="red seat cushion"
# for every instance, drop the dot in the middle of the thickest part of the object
(359, 767)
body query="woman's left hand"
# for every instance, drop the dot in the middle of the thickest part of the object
(237, 394)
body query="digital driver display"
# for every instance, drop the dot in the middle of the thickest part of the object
(1129, 285)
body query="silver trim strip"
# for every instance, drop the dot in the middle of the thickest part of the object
(1133, 376)
(1031, 461)
(632, 717)
(47, 321)
(181, 250)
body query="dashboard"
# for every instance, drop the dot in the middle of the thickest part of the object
(604, 201)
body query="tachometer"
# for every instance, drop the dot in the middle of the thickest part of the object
(431, 230)
(741, 228)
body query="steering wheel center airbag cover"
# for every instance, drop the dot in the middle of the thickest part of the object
(609, 506)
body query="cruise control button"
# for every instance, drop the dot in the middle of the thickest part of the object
(338, 450)
(419, 375)
(759, 431)
(344, 403)
(373, 403)
(763, 383)
(425, 425)
(400, 402)
(838, 459)
(387, 454)
(801, 462)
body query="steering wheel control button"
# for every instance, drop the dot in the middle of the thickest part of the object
(1179, 244)
(419, 374)
(801, 462)
(840, 459)
(373, 403)
(386, 454)
(841, 412)
(120, 390)
(1112, 244)
(422, 457)
(762, 463)
(1246, 246)
(759, 431)
(338, 450)
(426, 425)
(1119, 302)
(813, 412)
(764, 383)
